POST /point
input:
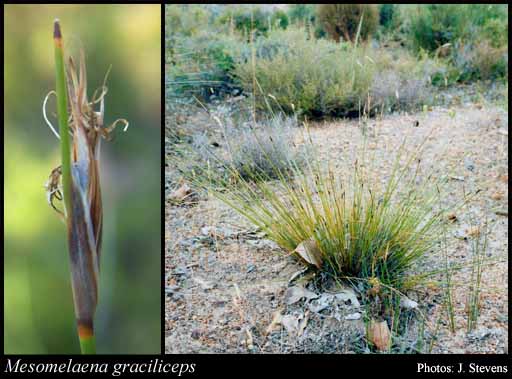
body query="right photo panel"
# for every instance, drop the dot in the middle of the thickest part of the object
(336, 178)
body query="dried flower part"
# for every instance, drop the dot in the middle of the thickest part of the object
(85, 218)
(53, 189)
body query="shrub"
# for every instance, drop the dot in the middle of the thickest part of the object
(389, 16)
(202, 65)
(280, 19)
(403, 82)
(186, 20)
(312, 77)
(480, 14)
(342, 20)
(489, 62)
(301, 14)
(496, 32)
(434, 25)
(246, 19)
(480, 60)
(351, 225)
(262, 152)
(391, 91)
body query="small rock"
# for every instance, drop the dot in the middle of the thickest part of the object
(484, 332)
(169, 289)
(180, 271)
(353, 316)
(348, 295)
(407, 303)
(469, 164)
(203, 283)
(207, 231)
(195, 334)
(460, 234)
(498, 195)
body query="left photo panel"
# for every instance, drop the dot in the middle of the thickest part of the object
(82, 183)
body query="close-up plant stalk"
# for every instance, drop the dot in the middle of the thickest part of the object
(79, 171)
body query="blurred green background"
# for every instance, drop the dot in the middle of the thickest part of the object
(38, 306)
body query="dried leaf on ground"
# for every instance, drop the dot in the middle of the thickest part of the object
(181, 193)
(276, 321)
(290, 323)
(378, 334)
(249, 340)
(297, 274)
(473, 231)
(309, 251)
(452, 217)
(353, 316)
(303, 323)
(294, 294)
(498, 195)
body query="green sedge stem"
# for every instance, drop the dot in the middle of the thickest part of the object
(88, 345)
(62, 110)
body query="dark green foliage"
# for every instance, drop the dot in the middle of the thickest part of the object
(302, 13)
(246, 19)
(472, 38)
(479, 61)
(280, 19)
(305, 76)
(202, 67)
(388, 16)
(434, 25)
(496, 32)
(341, 21)
(185, 19)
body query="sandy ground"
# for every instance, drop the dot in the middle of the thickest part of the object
(225, 283)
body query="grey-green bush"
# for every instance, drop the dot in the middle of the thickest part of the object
(314, 78)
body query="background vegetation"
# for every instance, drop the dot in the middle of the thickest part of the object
(38, 306)
(297, 58)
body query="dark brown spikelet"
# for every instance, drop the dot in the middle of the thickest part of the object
(85, 219)
(85, 224)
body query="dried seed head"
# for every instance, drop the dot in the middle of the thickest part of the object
(85, 219)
